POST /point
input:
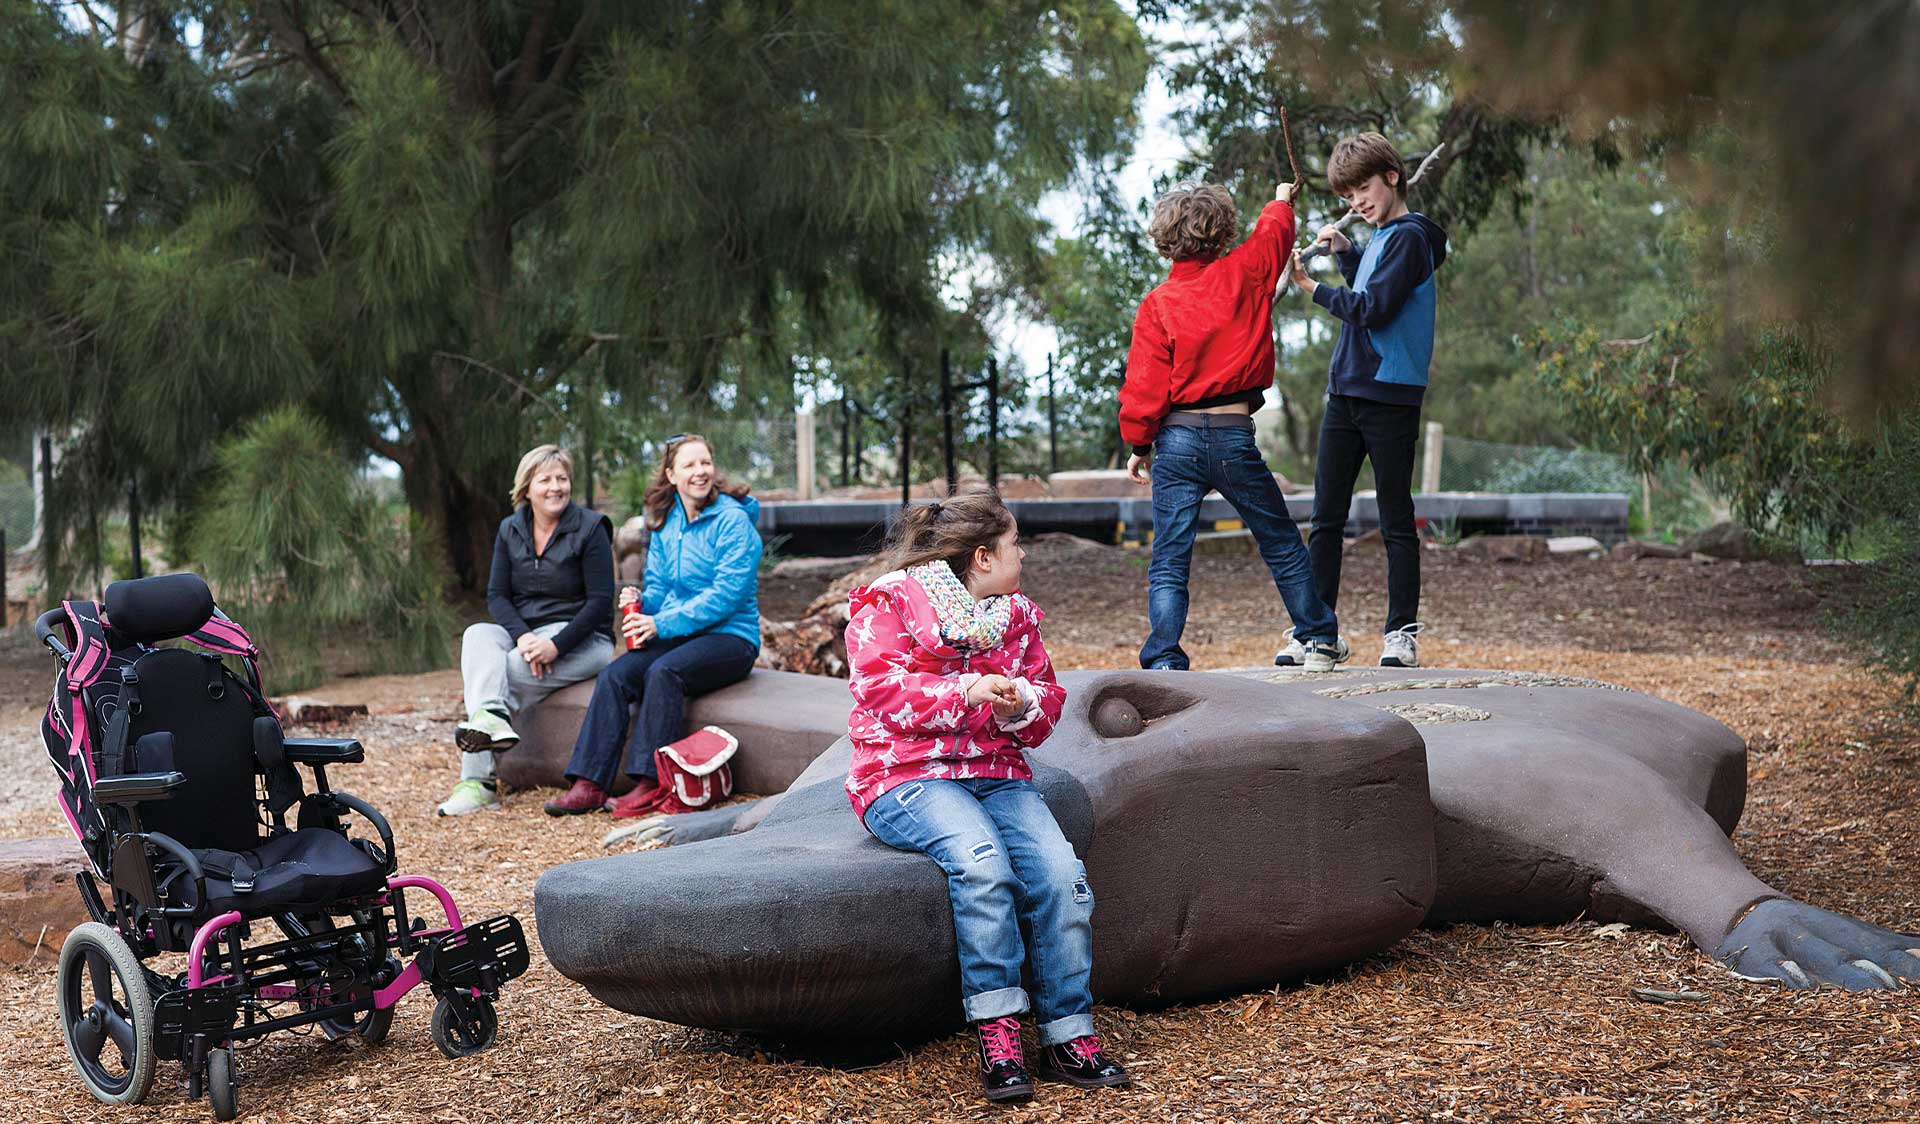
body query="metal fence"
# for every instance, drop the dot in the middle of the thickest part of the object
(1484, 466)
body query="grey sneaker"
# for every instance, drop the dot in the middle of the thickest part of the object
(1321, 656)
(485, 730)
(1292, 653)
(1400, 649)
(471, 795)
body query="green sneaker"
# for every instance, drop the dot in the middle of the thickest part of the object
(485, 730)
(471, 795)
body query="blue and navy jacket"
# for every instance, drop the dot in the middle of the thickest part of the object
(704, 576)
(1386, 340)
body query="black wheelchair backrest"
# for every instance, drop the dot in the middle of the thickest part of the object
(194, 698)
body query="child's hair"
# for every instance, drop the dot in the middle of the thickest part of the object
(1194, 220)
(658, 499)
(949, 530)
(536, 459)
(1356, 160)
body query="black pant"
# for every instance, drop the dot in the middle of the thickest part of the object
(1355, 429)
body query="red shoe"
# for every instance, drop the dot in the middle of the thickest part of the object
(644, 800)
(584, 796)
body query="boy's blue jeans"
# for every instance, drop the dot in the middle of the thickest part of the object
(1188, 462)
(1007, 863)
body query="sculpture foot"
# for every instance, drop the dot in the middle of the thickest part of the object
(685, 827)
(1805, 947)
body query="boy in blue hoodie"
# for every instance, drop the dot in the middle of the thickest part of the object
(1376, 380)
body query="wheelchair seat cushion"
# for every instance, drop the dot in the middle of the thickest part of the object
(310, 867)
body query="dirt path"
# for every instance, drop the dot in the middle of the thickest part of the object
(1501, 1023)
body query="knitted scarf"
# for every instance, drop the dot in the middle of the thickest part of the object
(964, 623)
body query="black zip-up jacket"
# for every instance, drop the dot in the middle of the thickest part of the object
(572, 580)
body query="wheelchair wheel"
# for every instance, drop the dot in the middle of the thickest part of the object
(464, 1025)
(106, 1014)
(223, 1084)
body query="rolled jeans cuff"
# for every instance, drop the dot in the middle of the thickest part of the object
(999, 1004)
(1065, 1030)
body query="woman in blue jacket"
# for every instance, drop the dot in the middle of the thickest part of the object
(698, 628)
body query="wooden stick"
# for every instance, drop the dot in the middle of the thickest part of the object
(1286, 134)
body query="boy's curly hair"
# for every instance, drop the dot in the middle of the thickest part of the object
(1358, 159)
(1194, 220)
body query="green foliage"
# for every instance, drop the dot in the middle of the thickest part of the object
(304, 555)
(1747, 412)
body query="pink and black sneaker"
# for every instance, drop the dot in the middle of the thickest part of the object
(1081, 1062)
(1003, 1068)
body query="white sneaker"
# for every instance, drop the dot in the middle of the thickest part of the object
(485, 730)
(1292, 653)
(1321, 656)
(471, 795)
(1400, 649)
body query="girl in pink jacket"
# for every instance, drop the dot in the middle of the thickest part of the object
(950, 686)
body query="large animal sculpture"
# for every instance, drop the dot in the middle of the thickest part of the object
(1239, 830)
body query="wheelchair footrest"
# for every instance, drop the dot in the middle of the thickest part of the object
(181, 1015)
(481, 956)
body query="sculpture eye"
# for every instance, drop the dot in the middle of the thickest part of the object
(1115, 717)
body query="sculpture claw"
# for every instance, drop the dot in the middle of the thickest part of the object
(1806, 947)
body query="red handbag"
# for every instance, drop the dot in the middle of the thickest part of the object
(694, 771)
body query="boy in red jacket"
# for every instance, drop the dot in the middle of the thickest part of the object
(1200, 364)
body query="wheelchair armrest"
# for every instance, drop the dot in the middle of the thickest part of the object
(367, 812)
(325, 751)
(133, 788)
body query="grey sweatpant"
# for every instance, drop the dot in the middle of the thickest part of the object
(496, 678)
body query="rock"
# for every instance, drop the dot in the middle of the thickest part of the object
(810, 646)
(825, 569)
(1732, 541)
(312, 712)
(1574, 544)
(1633, 549)
(1239, 837)
(1505, 548)
(39, 902)
(783, 721)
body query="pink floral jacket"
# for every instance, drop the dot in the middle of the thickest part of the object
(910, 717)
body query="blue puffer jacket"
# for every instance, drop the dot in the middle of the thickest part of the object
(704, 576)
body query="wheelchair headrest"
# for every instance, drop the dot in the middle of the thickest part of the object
(144, 610)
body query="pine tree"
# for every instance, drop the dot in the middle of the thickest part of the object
(420, 221)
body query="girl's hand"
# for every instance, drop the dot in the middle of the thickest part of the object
(639, 629)
(1285, 192)
(629, 594)
(999, 692)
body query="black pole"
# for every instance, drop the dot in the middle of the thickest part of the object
(1053, 423)
(133, 525)
(46, 505)
(3, 577)
(946, 420)
(993, 421)
(846, 438)
(906, 444)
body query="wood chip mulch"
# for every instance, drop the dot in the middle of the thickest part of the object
(1470, 1023)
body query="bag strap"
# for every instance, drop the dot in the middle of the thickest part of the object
(89, 663)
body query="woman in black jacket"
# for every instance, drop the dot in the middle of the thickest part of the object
(551, 596)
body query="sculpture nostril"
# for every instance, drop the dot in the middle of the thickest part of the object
(1115, 717)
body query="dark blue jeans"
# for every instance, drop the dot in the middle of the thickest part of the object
(659, 677)
(1188, 462)
(1008, 868)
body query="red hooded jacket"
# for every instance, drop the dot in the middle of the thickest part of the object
(1204, 336)
(910, 717)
